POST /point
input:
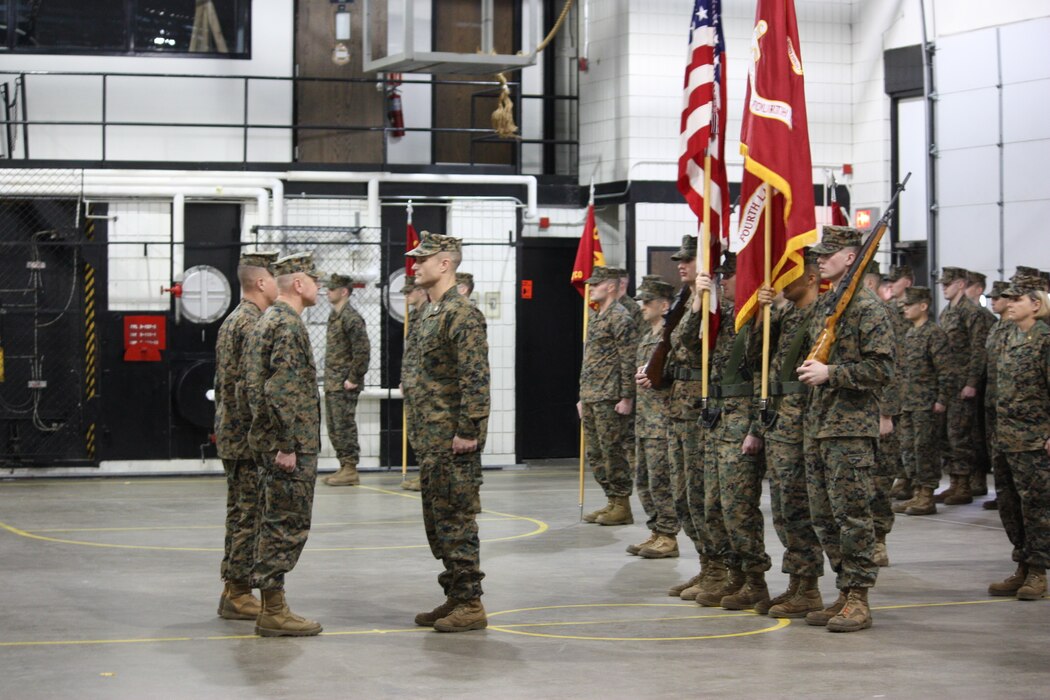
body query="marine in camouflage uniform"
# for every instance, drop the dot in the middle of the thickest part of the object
(448, 390)
(607, 391)
(993, 346)
(684, 369)
(900, 278)
(346, 356)
(635, 312)
(652, 468)
(976, 285)
(841, 433)
(1023, 437)
(233, 418)
(417, 299)
(925, 373)
(966, 331)
(285, 436)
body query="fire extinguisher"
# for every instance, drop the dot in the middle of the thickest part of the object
(395, 115)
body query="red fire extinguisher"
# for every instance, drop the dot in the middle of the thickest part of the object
(395, 115)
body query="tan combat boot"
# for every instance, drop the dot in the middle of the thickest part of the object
(806, 600)
(881, 557)
(855, 614)
(923, 503)
(1034, 586)
(713, 590)
(665, 547)
(978, 484)
(618, 514)
(712, 571)
(464, 617)
(635, 548)
(753, 592)
(593, 517)
(962, 495)
(276, 620)
(762, 607)
(346, 476)
(412, 484)
(238, 603)
(675, 591)
(939, 497)
(1011, 584)
(427, 619)
(902, 506)
(902, 490)
(819, 618)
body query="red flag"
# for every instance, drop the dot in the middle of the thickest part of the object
(774, 141)
(411, 241)
(588, 254)
(703, 131)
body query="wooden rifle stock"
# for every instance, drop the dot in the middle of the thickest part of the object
(848, 286)
(654, 368)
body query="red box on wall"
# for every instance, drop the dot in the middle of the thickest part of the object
(144, 338)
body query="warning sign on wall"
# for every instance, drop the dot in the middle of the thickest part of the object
(144, 338)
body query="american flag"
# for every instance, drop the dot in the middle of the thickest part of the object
(703, 120)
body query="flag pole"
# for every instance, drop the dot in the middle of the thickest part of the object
(705, 294)
(404, 337)
(768, 282)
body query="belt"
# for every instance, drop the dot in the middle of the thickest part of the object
(688, 374)
(732, 391)
(785, 388)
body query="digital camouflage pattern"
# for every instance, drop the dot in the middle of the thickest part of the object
(635, 311)
(286, 512)
(920, 437)
(1023, 390)
(1022, 487)
(788, 396)
(685, 355)
(281, 382)
(993, 346)
(966, 333)
(606, 433)
(347, 351)
(448, 389)
(652, 460)
(242, 519)
(233, 415)
(926, 376)
(608, 367)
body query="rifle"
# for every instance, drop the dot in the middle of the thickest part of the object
(654, 368)
(842, 295)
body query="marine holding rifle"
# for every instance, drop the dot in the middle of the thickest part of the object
(842, 429)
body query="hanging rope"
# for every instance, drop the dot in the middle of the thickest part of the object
(503, 116)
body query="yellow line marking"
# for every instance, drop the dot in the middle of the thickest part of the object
(313, 527)
(60, 642)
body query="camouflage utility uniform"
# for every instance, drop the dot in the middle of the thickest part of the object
(966, 331)
(653, 470)
(447, 388)
(926, 379)
(346, 359)
(233, 418)
(286, 416)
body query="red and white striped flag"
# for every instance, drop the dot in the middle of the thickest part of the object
(703, 130)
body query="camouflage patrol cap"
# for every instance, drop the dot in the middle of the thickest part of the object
(465, 278)
(1046, 279)
(1025, 271)
(998, 287)
(296, 262)
(898, 272)
(653, 287)
(810, 257)
(872, 268)
(335, 281)
(836, 238)
(620, 272)
(728, 266)
(432, 243)
(600, 273)
(950, 274)
(688, 249)
(258, 258)
(409, 285)
(1023, 283)
(973, 278)
(917, 295)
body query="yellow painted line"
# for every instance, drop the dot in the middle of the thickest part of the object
(66, 642)
(314, 526)
(29, 535)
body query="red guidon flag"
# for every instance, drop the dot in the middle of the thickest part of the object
(411, 241)
(588, 254)
(774, 141)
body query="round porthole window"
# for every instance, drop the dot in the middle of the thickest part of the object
(205, 294)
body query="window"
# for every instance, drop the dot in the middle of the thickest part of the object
(216, 28)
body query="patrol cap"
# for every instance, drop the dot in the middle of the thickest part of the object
(432, 243)
(898, 272)
(998, 287)
(872, 268)
(465, 278)
(836, 238)
(258, 258)
(688, 249)
(296, 262)
(917, 295)
(653, 287)
(728, 266)
(335, 281)
(1046, 279)
(973, 278)
(1026, 271)
(618, 271)
(409, 285)
(810, 257)
(1022, 283)
(600, 273)
(950, 274)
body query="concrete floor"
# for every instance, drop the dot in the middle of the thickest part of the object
(111, 586)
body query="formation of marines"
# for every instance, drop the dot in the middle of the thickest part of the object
(845, 445)
(268, 415)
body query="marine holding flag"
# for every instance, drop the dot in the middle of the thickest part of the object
(774, 140)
